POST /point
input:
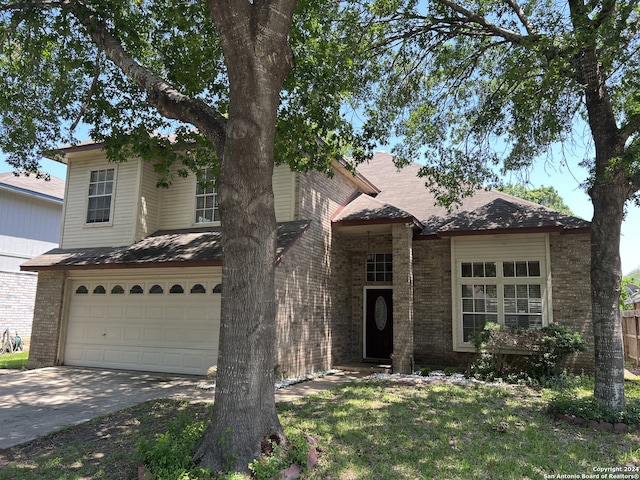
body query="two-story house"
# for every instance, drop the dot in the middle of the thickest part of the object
(368, 269)
(30, 214)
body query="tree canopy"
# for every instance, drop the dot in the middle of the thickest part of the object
(546, 196)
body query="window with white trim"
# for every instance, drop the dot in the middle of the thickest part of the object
(206, 198)
(507, 292)
(101, 184)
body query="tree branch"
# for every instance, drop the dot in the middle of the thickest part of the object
(161, 94)
(522, 16)
(510, 35)
(92, 89)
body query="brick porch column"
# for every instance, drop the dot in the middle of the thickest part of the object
(402, 235)
(47, 319)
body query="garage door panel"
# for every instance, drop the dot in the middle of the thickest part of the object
(131, 357)
(94, 355)
(112, 356)
(132, 334)
(153, 313)
(115, 311)
(175, 333)
(134, 311)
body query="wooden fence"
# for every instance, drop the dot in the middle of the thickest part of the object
(631, 334)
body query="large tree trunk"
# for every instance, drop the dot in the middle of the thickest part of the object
(608, 205)
(257, 55)
(608, 193)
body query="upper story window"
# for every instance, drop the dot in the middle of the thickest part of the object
(207, 198)
(100, 195)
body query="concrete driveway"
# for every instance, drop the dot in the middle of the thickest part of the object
(36, 402)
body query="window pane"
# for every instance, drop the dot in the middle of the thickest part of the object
(466, 270)
(534, 269)
(478, 306)
(535, 306)
(522, 291)
(492, 305)
(490, 269)
(478, 291)
(521, 269)
(467, 305)
(508, 269)
(478, 269)
(534, 291)
(467, 291)
(509, 305)
(523, 306)
(492, 291)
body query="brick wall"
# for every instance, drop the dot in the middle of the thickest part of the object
(17, 297)
(403, 309)
(45, 334)
(571, 291)
(311, 282)
(358, 247)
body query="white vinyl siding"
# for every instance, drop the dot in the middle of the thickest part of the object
(503, 279)
(178, 202)
(284, 193)
(119, 231)
(149, 202)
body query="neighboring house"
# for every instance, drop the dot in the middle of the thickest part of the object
(367, 269)
(30, 214)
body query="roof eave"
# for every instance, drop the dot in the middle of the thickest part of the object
(111, 266)
(497, 231)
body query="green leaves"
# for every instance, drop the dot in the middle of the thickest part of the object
(469, 85)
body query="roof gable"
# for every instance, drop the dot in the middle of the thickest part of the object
(501, 214)
(52, 189)
(404, 195)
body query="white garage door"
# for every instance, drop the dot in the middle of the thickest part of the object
(165, 325)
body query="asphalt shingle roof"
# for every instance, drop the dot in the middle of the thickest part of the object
(402, 192)
(52, 189)
(163, 248)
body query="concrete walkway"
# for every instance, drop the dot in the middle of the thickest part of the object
(36, 402)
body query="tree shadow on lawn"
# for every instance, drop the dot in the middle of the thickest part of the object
(390, 430)
(104, 447)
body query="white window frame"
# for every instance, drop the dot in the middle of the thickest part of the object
(207, 193)
(109, 222)
(506, 254)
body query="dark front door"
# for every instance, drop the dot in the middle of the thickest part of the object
(379, 323)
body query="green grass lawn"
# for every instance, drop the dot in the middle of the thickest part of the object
(365, 430)
(17, 361)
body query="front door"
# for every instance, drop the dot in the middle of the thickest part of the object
(378, 323)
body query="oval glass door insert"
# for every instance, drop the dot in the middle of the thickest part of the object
(380, 313)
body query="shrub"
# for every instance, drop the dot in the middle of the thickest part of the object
(269, 466)
(169, 456)
(518, 355)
